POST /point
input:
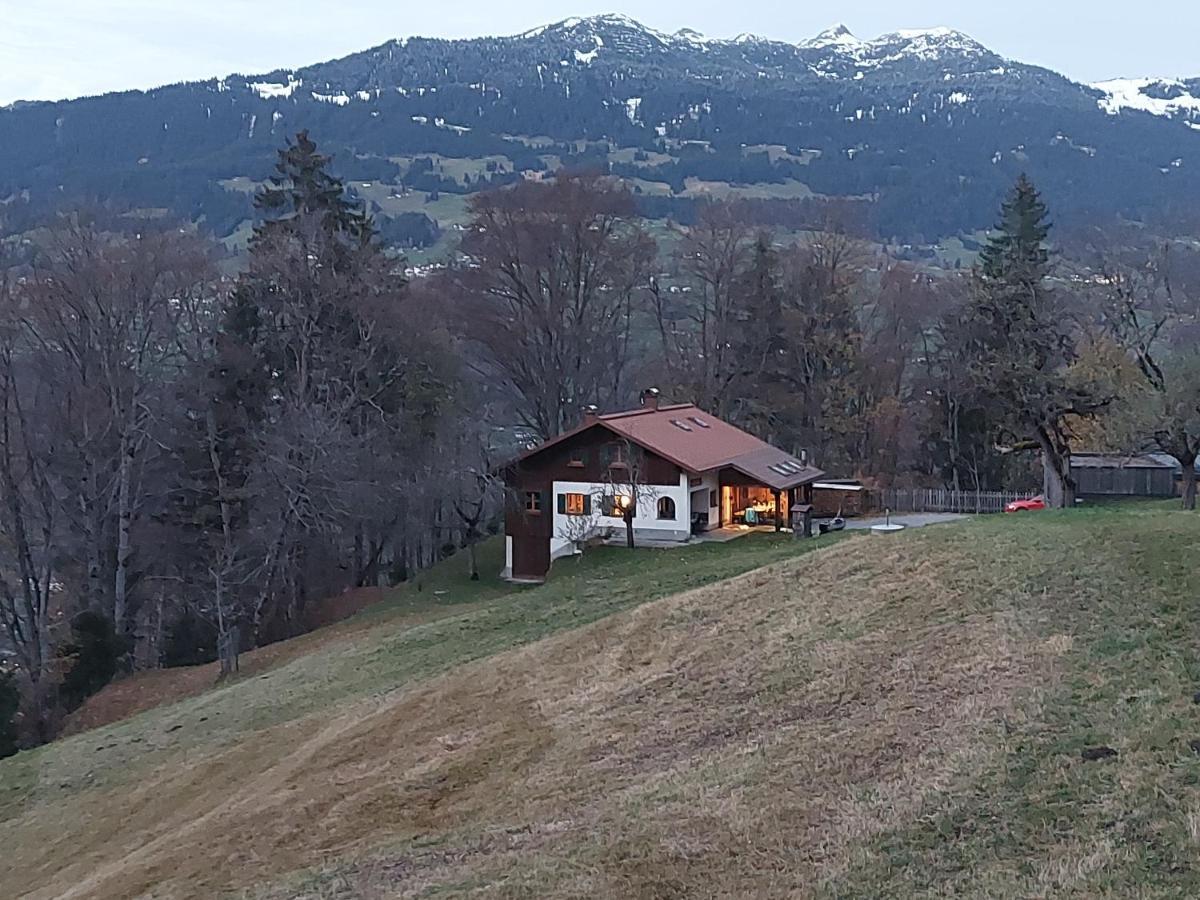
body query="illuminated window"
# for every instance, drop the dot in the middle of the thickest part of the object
(574, 504)
(617, 505)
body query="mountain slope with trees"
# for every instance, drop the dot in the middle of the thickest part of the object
(929, 126)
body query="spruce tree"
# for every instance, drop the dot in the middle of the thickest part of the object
(304, 186)
(1022, 343)
(1017, 250)
(758, 342)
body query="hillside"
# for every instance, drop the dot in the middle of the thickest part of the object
(880, 718)
(923, 128)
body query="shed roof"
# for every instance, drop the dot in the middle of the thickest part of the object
(1118, 461)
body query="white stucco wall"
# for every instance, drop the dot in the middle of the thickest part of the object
(645, 523)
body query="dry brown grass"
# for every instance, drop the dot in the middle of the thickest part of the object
(746, 737)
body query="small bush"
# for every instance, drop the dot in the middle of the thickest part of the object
(97, 651)
(190, 641)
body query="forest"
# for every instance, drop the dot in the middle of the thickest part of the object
(195, 448)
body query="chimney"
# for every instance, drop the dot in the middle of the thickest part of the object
(804, 457)
(591, 413)
(650, 398)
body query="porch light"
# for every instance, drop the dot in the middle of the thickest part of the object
(623, 501)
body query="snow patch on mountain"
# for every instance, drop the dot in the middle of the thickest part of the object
(586, 58)
(335, 99)
(272, 91)
(1157, 96)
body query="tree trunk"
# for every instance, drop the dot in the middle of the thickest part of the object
(124, 526)
(93, 535)
(1058, 486)
(1189, 482)
(629, 530)
(472, 562)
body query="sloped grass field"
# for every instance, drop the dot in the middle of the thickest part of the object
(886, 717)
(101, 799)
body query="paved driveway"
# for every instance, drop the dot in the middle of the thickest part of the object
(908, 520)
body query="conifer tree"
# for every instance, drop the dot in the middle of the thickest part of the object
(304, 186)
(1022, 344)
(1017, 251)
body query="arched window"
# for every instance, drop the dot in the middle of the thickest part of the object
(666, 508)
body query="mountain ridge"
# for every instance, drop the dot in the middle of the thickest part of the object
(927, 127)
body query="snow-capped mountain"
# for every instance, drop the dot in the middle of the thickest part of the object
(926, 127)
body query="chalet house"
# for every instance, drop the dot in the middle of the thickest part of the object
(675, 469)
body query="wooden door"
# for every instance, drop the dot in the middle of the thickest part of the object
(531, 556)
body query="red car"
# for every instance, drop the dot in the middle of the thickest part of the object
(1033, 503)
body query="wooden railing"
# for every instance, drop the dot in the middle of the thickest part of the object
(941, 500)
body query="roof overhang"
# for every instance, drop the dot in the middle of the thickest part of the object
(775, 469)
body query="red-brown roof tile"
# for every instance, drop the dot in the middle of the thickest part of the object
(698, 442)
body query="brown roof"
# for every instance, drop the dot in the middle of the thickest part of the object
(698, 442)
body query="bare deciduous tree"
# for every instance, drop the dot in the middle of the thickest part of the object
(547, 296)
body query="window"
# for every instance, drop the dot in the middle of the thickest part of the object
(666, 508)
(574, 504)
(616, 505)
(616, 454)
(578, 459)
(714, 500)
(533, 502)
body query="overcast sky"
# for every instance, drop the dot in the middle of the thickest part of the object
(51, 49)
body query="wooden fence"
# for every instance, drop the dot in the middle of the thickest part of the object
(940, 500)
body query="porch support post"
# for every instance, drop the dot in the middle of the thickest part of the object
(778, 511)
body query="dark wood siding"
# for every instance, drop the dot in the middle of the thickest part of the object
(581, 458)
(1124, 482)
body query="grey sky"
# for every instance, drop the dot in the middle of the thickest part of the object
(50, 49)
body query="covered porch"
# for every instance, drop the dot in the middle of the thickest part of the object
(758, 490)
(746, 502)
